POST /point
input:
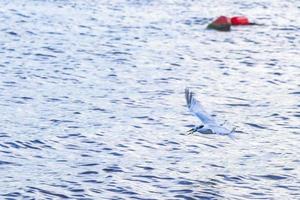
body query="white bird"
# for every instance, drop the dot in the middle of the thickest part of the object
(209, 126)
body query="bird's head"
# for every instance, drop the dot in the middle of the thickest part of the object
(195, 129)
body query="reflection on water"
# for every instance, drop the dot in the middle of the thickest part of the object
(92, 100)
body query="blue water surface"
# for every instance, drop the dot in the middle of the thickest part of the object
(92, 100)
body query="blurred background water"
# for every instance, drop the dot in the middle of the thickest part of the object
(92, 100)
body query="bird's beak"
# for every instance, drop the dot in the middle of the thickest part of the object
(191, 131)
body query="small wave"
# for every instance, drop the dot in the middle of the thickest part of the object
(273, 177)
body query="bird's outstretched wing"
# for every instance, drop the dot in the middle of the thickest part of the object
(196, 108)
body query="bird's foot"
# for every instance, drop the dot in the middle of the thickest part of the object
(233, 130)
(224, 123)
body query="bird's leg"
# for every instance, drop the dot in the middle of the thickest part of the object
(224, 123)
(233, 130)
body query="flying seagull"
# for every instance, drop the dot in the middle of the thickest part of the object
(209, 125)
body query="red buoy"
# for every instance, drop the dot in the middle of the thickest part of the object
(221, 20)
(222, 23)
(239, 20)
